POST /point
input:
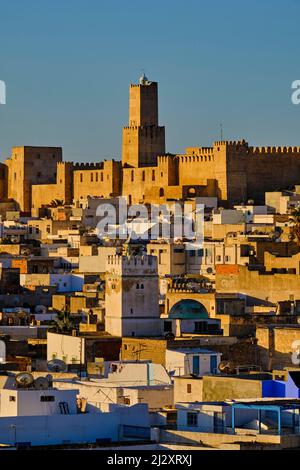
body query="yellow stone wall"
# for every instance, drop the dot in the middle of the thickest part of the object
(101, 179)
(224, 388)
(275, 345)
(231, 171)
(267, 287)
(28, 166)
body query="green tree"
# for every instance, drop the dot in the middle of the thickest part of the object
(64, 322)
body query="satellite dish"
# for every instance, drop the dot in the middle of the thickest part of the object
(40, 309)
(226, 367)
(24, 380)
(56, 365)
(41, 383)
(25, 252)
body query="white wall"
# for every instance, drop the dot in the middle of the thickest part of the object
(263, 219)
(137, 373)
(68, 282)
(229, 216)
(28, 402)
(141, 382)
(139, 327)
(156, 397)
(99, 397)
(181, 363)
(205, 421)
(204, 416)
(250, 210)
(78, 428)
(66, 348)
(96, 263)
(2, 351)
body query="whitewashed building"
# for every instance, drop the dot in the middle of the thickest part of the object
(194, 361)
(125, 383)
(132, 296)
(51, 416)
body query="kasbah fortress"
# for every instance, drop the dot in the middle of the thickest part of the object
(232, 171)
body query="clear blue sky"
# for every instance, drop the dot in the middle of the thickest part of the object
(67, 65)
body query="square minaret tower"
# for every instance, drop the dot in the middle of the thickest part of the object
(143, 139)
(132, 296)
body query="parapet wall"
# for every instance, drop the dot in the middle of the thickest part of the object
(88, 166)
(147, 130)
(242, 145)
(133, 265)
(274, 150)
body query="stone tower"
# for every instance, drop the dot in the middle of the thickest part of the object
(29, 166)
(143, 140)
(132, 296)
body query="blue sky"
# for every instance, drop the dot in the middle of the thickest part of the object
(67, 65)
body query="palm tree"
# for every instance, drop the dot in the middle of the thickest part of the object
(64, 322)
(294, 221)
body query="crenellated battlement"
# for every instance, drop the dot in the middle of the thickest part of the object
(231, 143)
(147, 130)
(199, 151)
(178, 290)
(209, 157)
(89, 166)
(132, 265)
(243, 146)
(139, 85)
(163, 159)
(274, 150)
(65, 164)
(220, 143)
(138, 260)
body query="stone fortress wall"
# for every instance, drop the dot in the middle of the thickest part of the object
(233, 171)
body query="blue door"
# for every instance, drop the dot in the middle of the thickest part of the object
(213, 364)
(196, 365)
